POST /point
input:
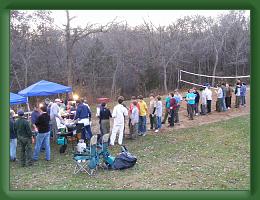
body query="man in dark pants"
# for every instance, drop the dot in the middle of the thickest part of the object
(197, 100)
(24, 135)
(208, 93)
(173, 106)
(83, 114)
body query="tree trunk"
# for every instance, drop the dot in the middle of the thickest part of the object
(215, 65)
(165, 76)
(68, 51)
(113, 87)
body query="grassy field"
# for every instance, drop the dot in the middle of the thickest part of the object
(209, 157)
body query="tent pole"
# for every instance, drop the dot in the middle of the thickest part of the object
(28, 106)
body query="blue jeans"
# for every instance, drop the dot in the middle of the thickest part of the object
(142, 125)
(86, 133)
(159, 122)
(42, 139)
(13, 145)
(223, 104)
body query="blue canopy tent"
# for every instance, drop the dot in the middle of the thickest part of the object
(44, 88)
(17, 99)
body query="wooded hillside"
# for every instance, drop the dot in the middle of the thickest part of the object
(113, 59)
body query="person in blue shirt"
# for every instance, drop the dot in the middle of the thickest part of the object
(243, 94)
(190, 99)
(83, 115)
(167, 108)
(178, 99)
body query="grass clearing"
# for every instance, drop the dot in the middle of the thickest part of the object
(214, 156)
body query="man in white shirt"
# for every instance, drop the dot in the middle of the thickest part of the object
(219, 93)
(54, 115)
(208, 97)
(119, 114)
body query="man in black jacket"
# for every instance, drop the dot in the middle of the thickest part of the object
(197, 100)
(43, 137)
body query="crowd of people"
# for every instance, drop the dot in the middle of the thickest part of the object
(46, 118)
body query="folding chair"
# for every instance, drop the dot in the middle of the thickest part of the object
(87, 161)
(104, 153)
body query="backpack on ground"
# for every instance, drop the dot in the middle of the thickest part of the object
(124, 160)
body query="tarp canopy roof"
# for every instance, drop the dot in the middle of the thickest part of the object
(17, 99)
(44, 88)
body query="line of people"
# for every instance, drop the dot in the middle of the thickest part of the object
(45, 119)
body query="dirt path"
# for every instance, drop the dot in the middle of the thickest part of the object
(198, 120)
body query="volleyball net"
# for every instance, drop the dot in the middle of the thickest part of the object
(200, 80)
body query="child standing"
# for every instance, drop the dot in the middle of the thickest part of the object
(243, 94)
(159, 113)
(142, 116)
(152, 114)
(237, 93)
(228, 96)
(178, 99)
(209, 97)
(197, 100)
(203, 101)
(134, 120)
(190, 98)
(167, 108)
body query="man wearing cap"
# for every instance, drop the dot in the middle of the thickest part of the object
(24, 135)
(83, 114)
(54, 112)
(119, 113)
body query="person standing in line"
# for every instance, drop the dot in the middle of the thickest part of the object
(197, 100)
(142, 116)
(35, 114)
(190, 98)
(134, 120)
(55, 115)
(219, 105)
(203, 106)
(228, 96)
(167, 108)
(237, 93)
(243, 94)
(178, 99)
(152, 114)
(158, 114)
(209, 97)
(119, 113)
(223, 102)
(173, 106)
(13, 137)
(43, 137)
(104, 119)
(133, 98)
(24, 136)
(83, 115)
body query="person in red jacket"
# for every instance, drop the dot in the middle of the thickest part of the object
(173, 106)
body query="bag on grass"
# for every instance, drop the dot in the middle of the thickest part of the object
(124, 160)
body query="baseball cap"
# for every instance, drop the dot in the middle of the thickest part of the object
(20, 112)
(58, 100)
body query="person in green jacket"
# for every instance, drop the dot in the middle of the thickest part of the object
(24, 136)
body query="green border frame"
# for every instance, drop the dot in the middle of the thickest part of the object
(7, 5)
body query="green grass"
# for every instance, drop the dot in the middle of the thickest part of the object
(212, 157)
